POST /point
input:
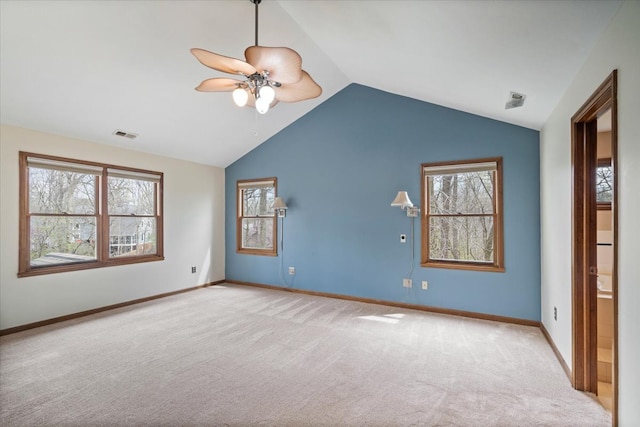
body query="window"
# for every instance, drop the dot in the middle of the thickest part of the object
(256, 220)
(604, 184)
(77, 215)
(462, 224)
(132, 210)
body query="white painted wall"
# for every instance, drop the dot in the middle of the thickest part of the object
(618, 48)
(193, 234)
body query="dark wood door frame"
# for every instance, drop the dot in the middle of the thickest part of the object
(584, 254)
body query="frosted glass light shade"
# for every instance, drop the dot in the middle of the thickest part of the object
(267, 93)
(262, 105)
(402, 200)
(240, 97)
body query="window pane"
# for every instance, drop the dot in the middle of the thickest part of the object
(461, 238)
(604, 184)
(258, 201)
(62, 240)
(56, 191)
(470, 192)
(257, 233)
(132, 236)
(131, 196)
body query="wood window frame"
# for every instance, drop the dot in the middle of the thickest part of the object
(498, 259)
(101, 214)
(240, 216)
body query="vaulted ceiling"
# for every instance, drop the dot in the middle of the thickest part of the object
(86, 68)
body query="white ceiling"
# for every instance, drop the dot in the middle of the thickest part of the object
(86, 68)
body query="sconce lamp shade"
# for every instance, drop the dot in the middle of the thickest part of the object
(278, 203)
(280, 207)
(402, 200)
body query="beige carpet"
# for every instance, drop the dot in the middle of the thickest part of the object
(240, 356)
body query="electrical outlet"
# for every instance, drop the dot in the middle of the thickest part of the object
(425, 285)
(193, 269)
(403, 238)
(406, 283)
(555, 313)
(292, 271)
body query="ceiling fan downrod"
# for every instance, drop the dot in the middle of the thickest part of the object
(256, 2)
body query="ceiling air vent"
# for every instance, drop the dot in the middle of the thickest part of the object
(515, 100)
(124, 134)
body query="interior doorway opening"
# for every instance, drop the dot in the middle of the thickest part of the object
(594, 251)
(604, 278)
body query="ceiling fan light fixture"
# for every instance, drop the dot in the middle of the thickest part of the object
(262, 106)
(271, 75)
(240, 97)
(267, 93)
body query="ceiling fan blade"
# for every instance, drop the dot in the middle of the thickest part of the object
(306, 88)
(222, 63)
(219, 84)
(284, 64)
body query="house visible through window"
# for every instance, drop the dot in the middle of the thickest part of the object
(256, 221)
(77, 215)
(132, 212)
(462, 224)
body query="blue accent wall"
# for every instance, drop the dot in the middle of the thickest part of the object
(338, 169)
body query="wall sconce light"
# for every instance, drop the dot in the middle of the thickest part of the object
(402, 200)
(280, 207)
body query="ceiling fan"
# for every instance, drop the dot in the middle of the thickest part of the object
(270, 75)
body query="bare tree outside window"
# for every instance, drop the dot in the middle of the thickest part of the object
(63, 216)
(462, 216)
(256, 218)
(132, 225)
(604, 183)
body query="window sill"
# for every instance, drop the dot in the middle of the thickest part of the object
(87, 265)
(463, 266)
(261, 252)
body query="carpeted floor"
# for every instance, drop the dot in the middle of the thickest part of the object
(241, 356)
